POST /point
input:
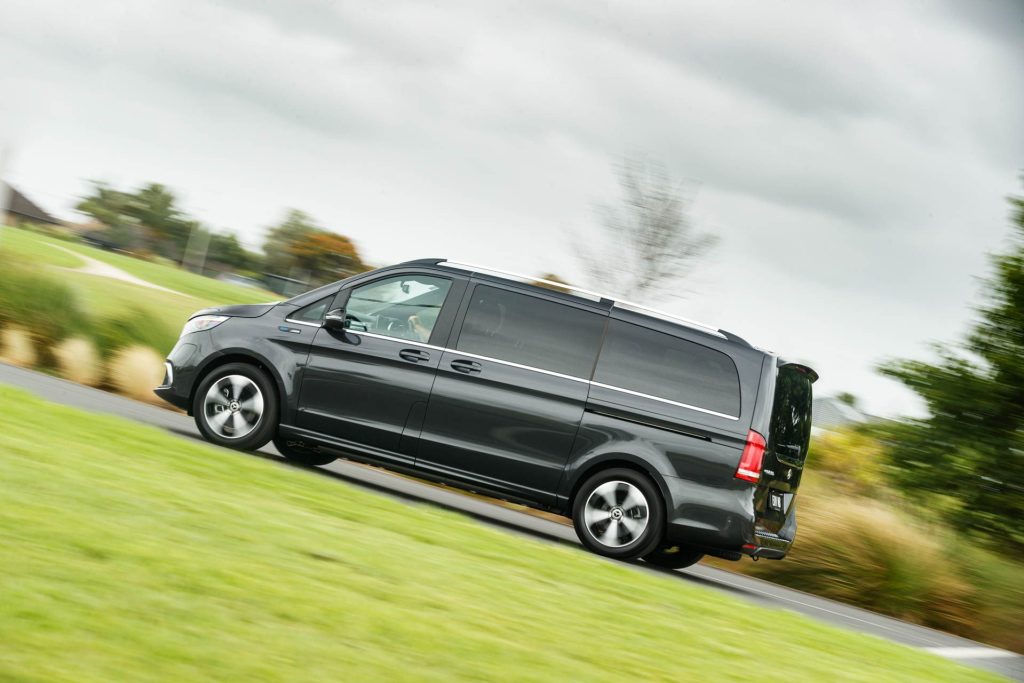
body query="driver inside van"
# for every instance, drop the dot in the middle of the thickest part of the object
(421, 323)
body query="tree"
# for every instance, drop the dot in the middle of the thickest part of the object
(647, 241)
(298, 247)
(147, 219)
(971, 446)
(846, 398)
(295, 226)
(326, 256)
(110, 207)
(227, 250)
(545, 280)
(154, 206)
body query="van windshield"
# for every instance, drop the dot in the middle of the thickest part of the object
(791, 415)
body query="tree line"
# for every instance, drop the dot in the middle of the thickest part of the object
(149, 223)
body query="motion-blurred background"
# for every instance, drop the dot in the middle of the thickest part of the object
(835, 181)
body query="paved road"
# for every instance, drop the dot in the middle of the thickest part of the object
(761, 592)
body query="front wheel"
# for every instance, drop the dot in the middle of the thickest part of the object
(619, 513)
(235, 406)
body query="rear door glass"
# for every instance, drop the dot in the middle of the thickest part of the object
(668, 367)
(531, 331)
(790, 430)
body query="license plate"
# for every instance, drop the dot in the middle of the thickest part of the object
(775, 501)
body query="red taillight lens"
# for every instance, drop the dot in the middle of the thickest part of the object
(749, 468)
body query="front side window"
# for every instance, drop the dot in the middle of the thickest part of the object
(404, 306)
(531, 331)
(662, 365)
(314, 312)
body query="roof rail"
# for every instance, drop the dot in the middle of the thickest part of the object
(615, 301)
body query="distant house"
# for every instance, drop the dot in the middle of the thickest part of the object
(21, 209)
(829, 414)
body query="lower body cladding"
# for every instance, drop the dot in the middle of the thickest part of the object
(721, 522)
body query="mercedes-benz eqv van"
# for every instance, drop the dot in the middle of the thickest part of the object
(661, 438)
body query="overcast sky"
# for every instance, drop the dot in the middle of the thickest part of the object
(853, 157)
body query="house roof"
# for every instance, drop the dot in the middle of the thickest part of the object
(23, 207)
(830, 413)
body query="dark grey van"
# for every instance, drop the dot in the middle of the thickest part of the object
(662, 438)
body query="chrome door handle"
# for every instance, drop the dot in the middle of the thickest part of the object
(414, 355)
(469, 367)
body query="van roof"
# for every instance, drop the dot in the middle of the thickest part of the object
(574, 293)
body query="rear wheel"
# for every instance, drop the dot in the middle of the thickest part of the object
(674, 557)
(619, 513)
(297, 451)
(235, 406)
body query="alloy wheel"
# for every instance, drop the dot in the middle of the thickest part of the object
(233, 406)
(616, 514)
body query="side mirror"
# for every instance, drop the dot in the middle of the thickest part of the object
(335, 320)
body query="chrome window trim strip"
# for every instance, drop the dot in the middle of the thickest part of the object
(518, 365)
(546, 372)
(398, 340)
(303, 322)
(665, 400)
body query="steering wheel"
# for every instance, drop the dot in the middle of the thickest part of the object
(355, 320)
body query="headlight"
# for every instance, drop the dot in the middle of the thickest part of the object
(202, 322)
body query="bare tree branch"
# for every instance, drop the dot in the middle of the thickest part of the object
(647, 241)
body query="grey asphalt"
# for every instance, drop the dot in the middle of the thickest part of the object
(761, 592)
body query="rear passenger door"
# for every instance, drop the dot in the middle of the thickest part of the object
(511, 390)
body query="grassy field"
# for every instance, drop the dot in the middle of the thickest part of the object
(129, 554)
(104, 296)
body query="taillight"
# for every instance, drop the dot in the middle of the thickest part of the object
(749, 468)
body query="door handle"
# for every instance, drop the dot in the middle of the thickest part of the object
(414, 355)
(469, 367)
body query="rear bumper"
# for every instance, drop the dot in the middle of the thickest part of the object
(720, 521)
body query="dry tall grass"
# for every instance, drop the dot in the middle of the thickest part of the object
(134, 371)
(17, 347)
(868, 553)
(78, 360)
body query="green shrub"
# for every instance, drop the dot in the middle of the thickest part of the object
(134, 327)
(42, 304)
(853, 459)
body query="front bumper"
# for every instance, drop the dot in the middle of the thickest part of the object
(180, 371)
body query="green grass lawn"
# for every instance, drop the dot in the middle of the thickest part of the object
(127, 554)
(103, 296)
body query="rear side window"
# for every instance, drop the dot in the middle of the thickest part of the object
(531, 331)
(790, 429)
(668, 367)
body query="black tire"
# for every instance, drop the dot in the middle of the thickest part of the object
(255, 407)
(674, 557)
(620, 535)
(294, 450)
